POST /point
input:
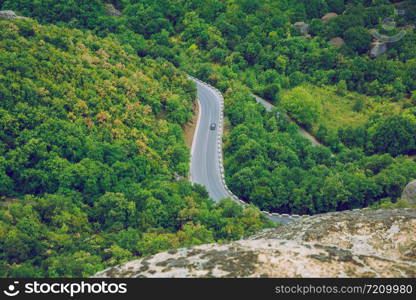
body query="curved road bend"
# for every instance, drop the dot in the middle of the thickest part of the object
(205, 166)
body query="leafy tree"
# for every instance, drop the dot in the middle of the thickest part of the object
(78, 13)
(91, 123)
(91, 138)
(114, 211)
(358, 38)
(302, 106)
(395, 135)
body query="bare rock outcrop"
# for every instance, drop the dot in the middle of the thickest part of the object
(112, 11)
(328, 17)
(9, 14)
(409, 193)
(363, 243)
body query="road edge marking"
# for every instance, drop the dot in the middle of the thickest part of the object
(194, 137)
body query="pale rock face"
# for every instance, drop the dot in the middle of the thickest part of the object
(7, 14)
(409, 193)
(329, 16)
(363, 243)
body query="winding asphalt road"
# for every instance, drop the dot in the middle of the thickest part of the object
(206, 158)
(205, 162)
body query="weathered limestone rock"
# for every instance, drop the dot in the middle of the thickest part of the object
(9, 14)
(329, 16)
(363, 243)
(409, 193)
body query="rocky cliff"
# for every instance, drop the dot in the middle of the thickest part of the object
(409, 193)
(362, 243)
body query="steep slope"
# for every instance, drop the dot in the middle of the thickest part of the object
(256, 43)
(91, 156)
(349, 244)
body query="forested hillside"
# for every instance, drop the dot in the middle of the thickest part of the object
(91, 149)
(257, 42)
(112, 95)
(268, 163)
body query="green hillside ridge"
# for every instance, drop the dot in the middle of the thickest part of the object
(360, 107)
(90, 146)
(255, 43)
(338, 109)
(269, 164)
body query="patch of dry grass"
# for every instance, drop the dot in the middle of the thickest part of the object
(340, 110)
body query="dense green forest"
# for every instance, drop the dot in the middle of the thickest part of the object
(90, 146)
(109, 90)
(256, 42)
(269, 164)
